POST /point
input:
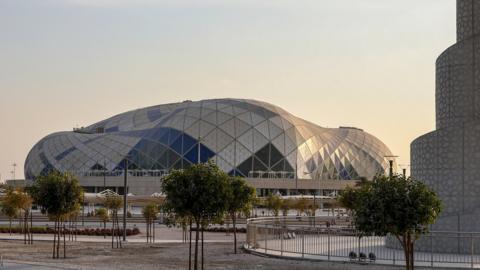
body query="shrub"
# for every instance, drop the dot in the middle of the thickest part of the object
(85, 231)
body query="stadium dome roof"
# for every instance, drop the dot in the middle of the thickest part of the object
(243, 137)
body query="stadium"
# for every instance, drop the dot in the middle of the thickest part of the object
(273, 149)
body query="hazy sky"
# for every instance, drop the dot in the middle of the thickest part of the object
(363, 63)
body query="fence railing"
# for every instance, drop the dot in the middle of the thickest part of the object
(320, 239)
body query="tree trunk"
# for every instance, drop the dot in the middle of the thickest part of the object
(406, 251)
(64, 246)
(195, 260)
(202, 247)
(25, 224)
(412, 254)
(54, 238)
(119, 241)
(234, 219)
(113, 228)
(27, 227)
(190, 248)
(58, 238)
(31, 227)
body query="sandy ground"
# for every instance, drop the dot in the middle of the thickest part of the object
(150, 256)
(171, 254)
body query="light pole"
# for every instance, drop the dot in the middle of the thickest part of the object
(125, 180)
(390, 161)
(404, 169)
(104, 175)
(198, 149)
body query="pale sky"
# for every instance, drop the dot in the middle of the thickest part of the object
(363, 63)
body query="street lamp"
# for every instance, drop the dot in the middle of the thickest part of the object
(390, 161)
(104, 175)
(404, 169)
(125, 180)
(198, 149)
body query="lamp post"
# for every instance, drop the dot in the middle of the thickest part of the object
(404, 169)
(104, 175)
(83, 208)
(390, 161)
(198, 149)
(125, 199)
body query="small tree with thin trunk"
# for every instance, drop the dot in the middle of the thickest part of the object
(102, 214)
(241, 197)
(150, 212)
(274, 204)
(201, 192)
(114, 203)
(301, 206)
(10, 206)
(286, 205)
(57, 194)
(399, 206)
(24, 203)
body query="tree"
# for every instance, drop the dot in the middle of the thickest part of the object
(286, 205)
(150, 212)
(241, 197)
(114, 203)
(199, 191)
(301, 206)
(273, 203)
(10, 206)
(57, 194)
(102, 214)
(24, 203)
(402, 207)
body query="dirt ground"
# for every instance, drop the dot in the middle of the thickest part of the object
(151, 256)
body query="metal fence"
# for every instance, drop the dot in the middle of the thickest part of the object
(316, 238)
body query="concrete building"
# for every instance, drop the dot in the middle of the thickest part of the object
(274, 150)
(448, 159)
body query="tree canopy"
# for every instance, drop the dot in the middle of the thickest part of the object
(402, 207)
(58, 195)
(200, 192)
(240, 199)
(274, 203)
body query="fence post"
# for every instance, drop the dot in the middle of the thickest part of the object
(265, 233)
(303, 243)
(359, 238)
(281, 242)
(328, 243)
(472, 249)
(394, 250)
(431, 250)
(254, 236)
